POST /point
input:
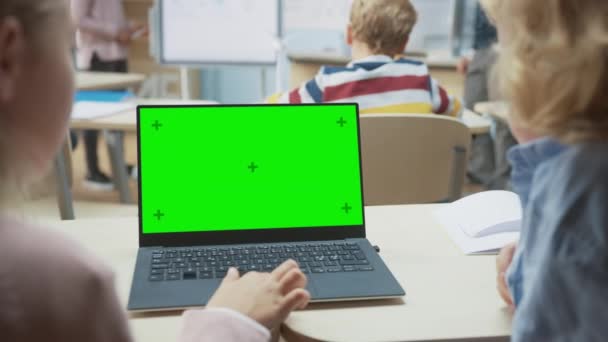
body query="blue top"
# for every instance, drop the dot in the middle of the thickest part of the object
(559, 275)
(485, 32)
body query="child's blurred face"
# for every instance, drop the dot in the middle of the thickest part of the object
(36, 87)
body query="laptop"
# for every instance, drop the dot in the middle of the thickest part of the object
(250, 186)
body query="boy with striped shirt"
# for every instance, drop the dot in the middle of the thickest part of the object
(379, 79)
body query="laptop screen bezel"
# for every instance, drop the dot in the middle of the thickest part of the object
(245, 236)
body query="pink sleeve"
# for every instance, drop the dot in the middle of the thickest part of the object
(51, 289)
(81, 13)
(221, 325)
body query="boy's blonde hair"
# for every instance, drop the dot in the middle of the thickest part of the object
(554, 65)
(384, 25)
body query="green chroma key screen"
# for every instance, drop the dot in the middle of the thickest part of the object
(223, 168)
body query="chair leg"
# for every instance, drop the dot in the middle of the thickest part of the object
(64, 192)
(67, 154)
(459, 167)
(115, 141)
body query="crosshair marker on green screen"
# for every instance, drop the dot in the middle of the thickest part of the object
(249, 167)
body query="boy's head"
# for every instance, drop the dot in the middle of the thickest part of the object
(381, 26)
(36, 86)
(554, 66)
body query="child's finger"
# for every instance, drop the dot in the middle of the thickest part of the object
(511, 253)
(292, 280)
(296, 299)
(503, 289)
(231, 275)
(282, 270)
(305, 300)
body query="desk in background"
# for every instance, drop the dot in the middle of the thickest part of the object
(499, 110)
(476, 123)
(127, 120)
(450, 296)
(305, 67)
(115, 127)
(88, 81)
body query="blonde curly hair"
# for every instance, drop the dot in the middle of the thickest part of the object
(384, 25)
(553, 65)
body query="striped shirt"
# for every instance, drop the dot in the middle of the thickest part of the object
(380, 85)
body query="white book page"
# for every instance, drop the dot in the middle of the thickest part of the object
(486, 210)
(464, 219)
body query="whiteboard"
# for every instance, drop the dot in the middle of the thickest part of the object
(326, 14)
(434, 30)
(219, 31)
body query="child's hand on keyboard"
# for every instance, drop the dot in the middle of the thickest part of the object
(266, 297)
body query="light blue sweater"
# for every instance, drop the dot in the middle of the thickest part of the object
(559, 275)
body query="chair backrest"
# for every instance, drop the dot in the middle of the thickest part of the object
(413, 158)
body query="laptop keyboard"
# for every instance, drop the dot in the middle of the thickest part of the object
(173, 264)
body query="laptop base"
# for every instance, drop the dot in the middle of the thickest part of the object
(366, 279)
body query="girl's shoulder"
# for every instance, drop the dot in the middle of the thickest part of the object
(574, 196)
(44, 249)
(43, 274)
(580, 167)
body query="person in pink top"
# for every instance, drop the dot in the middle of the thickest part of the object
(103, 37)
(50, 288)
(103, 33)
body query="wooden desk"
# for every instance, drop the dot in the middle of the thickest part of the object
(115, 126)
(333, 59)
(477, 123)
(499, 110)
(450, 296)
(86, 80)
(127, 120)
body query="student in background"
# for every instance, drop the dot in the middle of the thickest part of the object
(379, 79)
(51, 289)
(103, 37)
(554, 69)
(488, 166)
(478, 84)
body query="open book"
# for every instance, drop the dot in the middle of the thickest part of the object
(483, 223)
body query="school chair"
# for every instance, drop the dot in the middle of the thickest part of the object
(410, 158)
